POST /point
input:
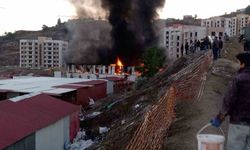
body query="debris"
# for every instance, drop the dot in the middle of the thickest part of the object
(103, 130)
(91, 101)
(79, 143)
(93, 115)
(137, 106)
(123, 122)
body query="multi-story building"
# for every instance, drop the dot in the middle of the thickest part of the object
(176, 35)
(242, 21)
(42, 53)
(233, 26)
(215, 26)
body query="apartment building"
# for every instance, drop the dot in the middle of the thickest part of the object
(215, 26)
(242, 21)
(176, 35)
(231, 26)
(42, 53)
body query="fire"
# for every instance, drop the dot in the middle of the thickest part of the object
(119, 62)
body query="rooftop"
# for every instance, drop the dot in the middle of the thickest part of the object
(25, 117)
(36, 84)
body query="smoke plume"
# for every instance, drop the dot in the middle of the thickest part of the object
(90, 42)
(132, 24)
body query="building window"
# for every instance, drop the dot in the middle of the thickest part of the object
(195, 34)
(191, 34)
(178, 37)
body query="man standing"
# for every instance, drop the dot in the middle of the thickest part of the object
(220, 47)
(236, 104)
(182, 49)
(186, 48)
(215, 48)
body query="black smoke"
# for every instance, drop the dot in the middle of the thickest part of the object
(132, 26)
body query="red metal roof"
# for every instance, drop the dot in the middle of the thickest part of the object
(73, 86)
(20, 119)
(114, 79)
(93, 82)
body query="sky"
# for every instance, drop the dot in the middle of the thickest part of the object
(32, 14)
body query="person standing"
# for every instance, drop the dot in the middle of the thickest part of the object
(220, 47)
(186, 48)
(236, 104)
(198, 45)
(182, 49)
(215, 48)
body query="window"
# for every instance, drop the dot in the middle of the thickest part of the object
(178, 37)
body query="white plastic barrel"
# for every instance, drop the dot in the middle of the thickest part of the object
(210, 141)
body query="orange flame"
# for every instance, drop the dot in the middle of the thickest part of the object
(119, 62)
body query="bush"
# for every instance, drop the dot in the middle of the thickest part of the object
(153, 60)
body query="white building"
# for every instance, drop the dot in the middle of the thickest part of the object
(215, 26)
(176, 35)
(42, 53)
(219, 26)
(243, 21)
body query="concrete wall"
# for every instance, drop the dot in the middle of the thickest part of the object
(110, 87)
(54, 136)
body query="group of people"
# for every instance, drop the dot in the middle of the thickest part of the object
(194, 46)
(216, 47)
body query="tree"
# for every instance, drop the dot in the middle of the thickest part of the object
(44, 27)
(153, 60)
(9, 35)
(59, 21)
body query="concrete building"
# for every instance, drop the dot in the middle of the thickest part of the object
(234, 26)
(42, 53)
(242, 21)
(219, 26)
(37, 123)
(216, 26)
(176, 35)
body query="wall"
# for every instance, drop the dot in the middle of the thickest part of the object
(27, 143)
(54, 136)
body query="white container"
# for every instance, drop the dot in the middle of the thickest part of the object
(210, 141)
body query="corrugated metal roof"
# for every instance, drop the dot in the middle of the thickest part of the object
(23, 118)
(114, 78)
(74, 86)
(93, 82)
(59, 91)
(35, 84)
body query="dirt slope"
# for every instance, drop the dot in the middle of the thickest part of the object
(191, 116)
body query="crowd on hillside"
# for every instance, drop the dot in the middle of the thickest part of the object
(204, 44)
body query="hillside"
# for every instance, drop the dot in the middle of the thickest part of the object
(9, 44)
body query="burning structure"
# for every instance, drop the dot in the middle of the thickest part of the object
(131, 33)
